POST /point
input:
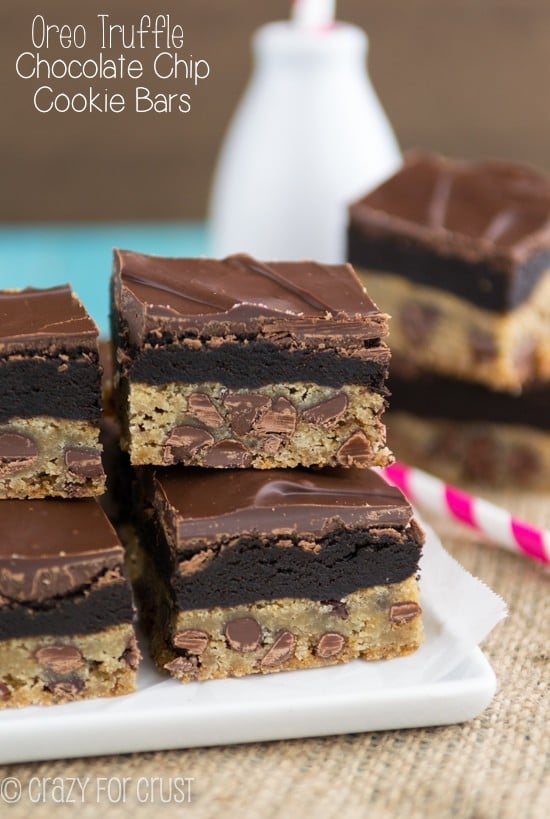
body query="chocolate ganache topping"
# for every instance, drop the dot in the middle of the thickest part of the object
(36, 319)
(239, 294)
(53, 547)
(488, 205)
(209, 504)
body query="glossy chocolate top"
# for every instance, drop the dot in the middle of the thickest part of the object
(239, 294)
(37, 319)
(210, 504)
(53, 547)
(479, 209)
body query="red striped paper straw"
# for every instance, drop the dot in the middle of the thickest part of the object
(495, 523)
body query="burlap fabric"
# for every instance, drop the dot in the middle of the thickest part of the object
(493, 767)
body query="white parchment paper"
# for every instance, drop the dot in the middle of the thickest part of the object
(459, 612)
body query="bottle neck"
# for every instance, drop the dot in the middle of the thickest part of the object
(288, 46)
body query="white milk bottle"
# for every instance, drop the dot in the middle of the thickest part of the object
(308, 137)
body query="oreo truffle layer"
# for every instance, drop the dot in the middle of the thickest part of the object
(459, 253)
(256, 571)
(50, 400)
(66, 611)
(237, 363)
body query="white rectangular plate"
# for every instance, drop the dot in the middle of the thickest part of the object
(360, 696)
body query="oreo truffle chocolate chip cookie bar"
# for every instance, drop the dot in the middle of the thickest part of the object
(250, 571)
(50, 400)
(66, 611)
(239, 363)
(459, 254)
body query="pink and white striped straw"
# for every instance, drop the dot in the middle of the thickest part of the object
(495, 523)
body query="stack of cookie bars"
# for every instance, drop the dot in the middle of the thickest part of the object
(248, 401)
(250, 397)
(66, 611)
(459, 253)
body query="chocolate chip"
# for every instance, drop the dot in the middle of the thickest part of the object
(281, 418)
(403, 612)
(183, 442)
(65, 689)
(191, 639)
(417, 321)
(282, 650)
(330, 644)
(182, 665)
(59, 659)
(227, 453)
(131, 654)
(327, 413)
(270, 444)
(17, 452)
(243, 634)
(417, 532)
(523, 463)
(201, 406)
(244, 409)
(14, 445)
(84, 462)
(444, 444)
(356, 451)
(338, 607)
(5, 692)
(484, 345)
(480, 457)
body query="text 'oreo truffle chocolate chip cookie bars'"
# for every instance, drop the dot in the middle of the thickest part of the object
(237, 364)
(66, 611)
(459, 253)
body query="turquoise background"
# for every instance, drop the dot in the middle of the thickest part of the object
(44, 256)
